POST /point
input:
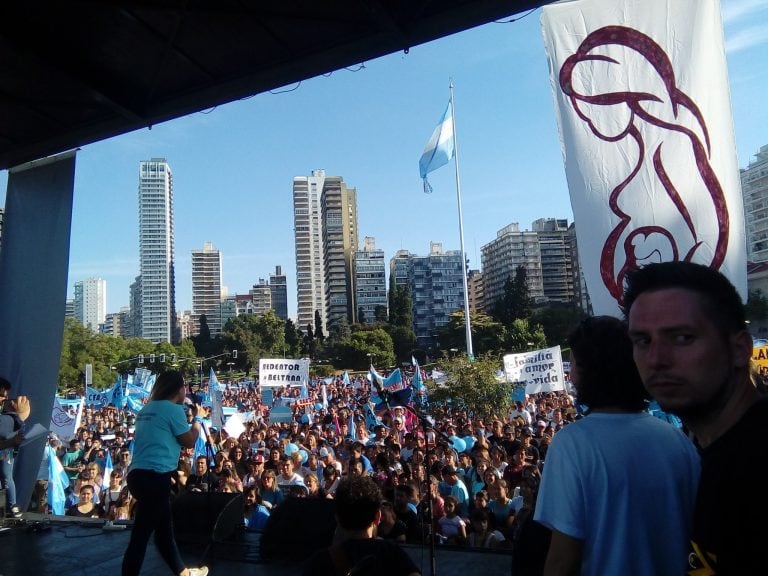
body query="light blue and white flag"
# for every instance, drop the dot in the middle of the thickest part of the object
(418, 384)
(214, 389)
(107, 471)
(118, 396)
(345, 378)
(58, 482)
(439, 149)
(324, 396)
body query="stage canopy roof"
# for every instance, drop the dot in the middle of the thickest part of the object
(72, 73)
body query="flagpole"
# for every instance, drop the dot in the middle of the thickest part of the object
(467, 326)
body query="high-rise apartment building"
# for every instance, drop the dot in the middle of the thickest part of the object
(339, 232)
(370, 282)
(133, 329)
(398, 268)
(156, 252)
(207, 288)
(502, 256)
(580, 292)
(261, 297)
(308, 237)
(278, 285)
(91, 302)
(69, 308)
(437, 290)
(476, 290)
(754, 189)
(556, 259)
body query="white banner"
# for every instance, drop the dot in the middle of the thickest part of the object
(540, 370)
(283, 372)
(643, 107)
(65, 418)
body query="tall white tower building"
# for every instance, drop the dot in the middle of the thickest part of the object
(91, 302)
(754, 188)
(156, 252)
(308, 234)
(206, 288)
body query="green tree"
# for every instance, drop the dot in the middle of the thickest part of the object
(487, 334)
(292, 339)
(319, 334)
(757, 306)
(256, 335)
(380, 313)
(400, 313)
(403, 341)
(353, 352)
(472, 386)
(515, 301)
(557, 322)
(525, 336)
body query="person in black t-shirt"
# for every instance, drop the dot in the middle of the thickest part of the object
(692, 348)
(358, 512)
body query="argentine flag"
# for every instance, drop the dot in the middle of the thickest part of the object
(439, 149)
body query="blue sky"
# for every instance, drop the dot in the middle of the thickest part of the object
(234, 165)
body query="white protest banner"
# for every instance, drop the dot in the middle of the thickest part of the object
(234, 425)
(63, 422)
(643, 109)
(540, 370)
(283, 372)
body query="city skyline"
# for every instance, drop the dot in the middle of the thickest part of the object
(234, 165)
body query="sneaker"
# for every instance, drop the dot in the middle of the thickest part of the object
(202, 571)
(15, 512)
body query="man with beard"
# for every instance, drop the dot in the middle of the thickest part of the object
(692, 348)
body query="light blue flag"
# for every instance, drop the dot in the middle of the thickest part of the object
(58, 482)
(214, 389)
(352, 426)
(345, 378)
(418, 385)
(133, 404)
(371, 420)
(324, 396)
(439, 149)
(150, 382)
(107, 471)
(118, 397)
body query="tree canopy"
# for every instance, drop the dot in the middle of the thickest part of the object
(472, 386)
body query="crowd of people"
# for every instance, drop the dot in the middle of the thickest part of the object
(472, 495)
(590, 484)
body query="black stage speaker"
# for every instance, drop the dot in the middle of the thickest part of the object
(206, 517)
(297, 527)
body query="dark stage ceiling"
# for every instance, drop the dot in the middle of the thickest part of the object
(72, 73)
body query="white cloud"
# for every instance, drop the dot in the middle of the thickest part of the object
(733, 10)
(746, 38)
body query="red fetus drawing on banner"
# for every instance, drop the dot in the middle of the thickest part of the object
(670, 205)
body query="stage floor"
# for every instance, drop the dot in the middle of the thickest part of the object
(59, 545)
